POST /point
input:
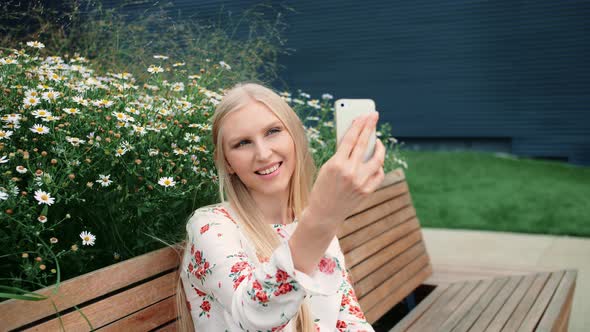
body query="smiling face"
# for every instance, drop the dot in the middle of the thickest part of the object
(254, 142)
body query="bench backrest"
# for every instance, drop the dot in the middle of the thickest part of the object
(384, 249)
(382, 243)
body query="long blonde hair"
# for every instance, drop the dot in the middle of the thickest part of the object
(261, 234)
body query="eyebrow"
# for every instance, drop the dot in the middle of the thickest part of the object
(234, 140)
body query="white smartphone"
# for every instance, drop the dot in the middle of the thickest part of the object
(346, 110)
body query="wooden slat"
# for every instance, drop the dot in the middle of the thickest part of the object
(444, 307)
(510, 305)
(377, 277)
(556, 310)
(395, 199)
(87, 287)
(526, 303)
(450, 273)
(378, 226)
(172, 327)
(378, 294)
(535, 313)
(116, 306)
(145, 319)
(482, 303)
(386, 254)
(492, 310)
(372, 246)
(393, 184)
(481, 287)
(416, 314)
(398, 294)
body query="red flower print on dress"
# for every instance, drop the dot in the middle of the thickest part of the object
(204, 229)
(206, 306)
(281, 276)
(261, 296)
(283, 289)
(190, 267)
(201, 270)
(192, 249)
(256, 285)
(239, 280)
(199, 292)
(345, 301)
(327, 265)
(341, 325)
(239, 266)
(356, 311)
(279, 328)
(224, 212)
(198, 257)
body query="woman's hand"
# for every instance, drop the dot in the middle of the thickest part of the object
(345, 180)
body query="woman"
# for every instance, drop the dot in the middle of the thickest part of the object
(268, 258)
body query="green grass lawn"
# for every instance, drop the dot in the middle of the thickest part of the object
(481, 191)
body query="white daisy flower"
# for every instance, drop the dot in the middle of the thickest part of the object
(192, 137)
(39, 129)
(163, 57)
(120, 151)
(5, 134)
(41, 113)
(155, 69)
(71, 111)
(44, 197)
(104, 180)
(75, 141)
(179, 86)
(305, 95)
(4, 160)
(327, 96)
(178, 64)
(166, 182)
(31, 101)
(224, 65)
(139, 130)
(21, 169)
(3, 196)
(179, 151)
(42, 219)
(88, 238)
(153, 152)
(50, 95)
(35, 44)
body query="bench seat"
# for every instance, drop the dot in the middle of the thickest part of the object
(533, 302)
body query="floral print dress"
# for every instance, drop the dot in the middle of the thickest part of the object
(230, 288)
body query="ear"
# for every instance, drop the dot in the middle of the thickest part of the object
(230, 170)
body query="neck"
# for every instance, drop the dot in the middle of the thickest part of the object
(274, 208)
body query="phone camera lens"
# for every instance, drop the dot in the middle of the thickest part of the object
(342, 105)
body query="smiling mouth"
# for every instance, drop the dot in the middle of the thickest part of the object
(279, 166)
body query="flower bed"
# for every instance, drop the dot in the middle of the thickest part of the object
(97, 168)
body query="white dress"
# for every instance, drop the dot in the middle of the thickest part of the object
(230, 288)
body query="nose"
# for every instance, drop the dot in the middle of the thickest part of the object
(263, 150)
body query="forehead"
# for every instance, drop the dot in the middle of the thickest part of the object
(248, 121)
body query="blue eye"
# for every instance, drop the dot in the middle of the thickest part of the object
(270, 131)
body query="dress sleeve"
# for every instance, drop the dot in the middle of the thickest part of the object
(259, 297)
(350, 317)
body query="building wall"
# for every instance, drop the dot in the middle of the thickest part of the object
(504, 75)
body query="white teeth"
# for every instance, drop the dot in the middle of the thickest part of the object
(270, 170)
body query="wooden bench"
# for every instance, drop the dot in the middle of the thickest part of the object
(387, 259)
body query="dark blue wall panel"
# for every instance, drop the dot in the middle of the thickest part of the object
(511, 76)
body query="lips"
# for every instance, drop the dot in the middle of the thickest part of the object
(267, 167)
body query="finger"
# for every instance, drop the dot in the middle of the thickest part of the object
(375, 180)
(350, 137)
(376, 162)
(358, 151)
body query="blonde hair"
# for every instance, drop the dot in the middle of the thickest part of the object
(260, 233)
